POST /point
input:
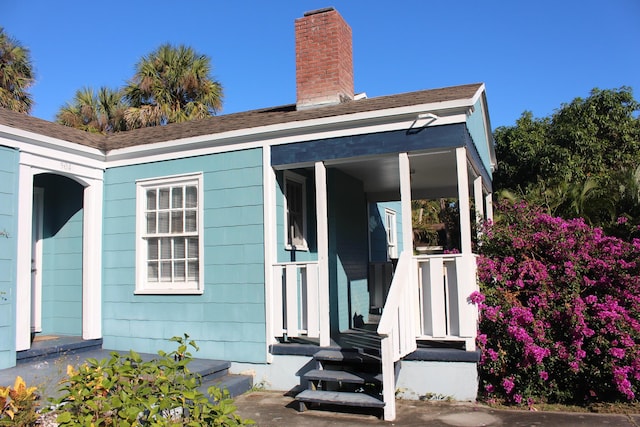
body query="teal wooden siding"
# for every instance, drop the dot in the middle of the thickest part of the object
(478, 131)
(8, 251)
(348, 249)
(228, 320)
(377, 232)
(61, 255)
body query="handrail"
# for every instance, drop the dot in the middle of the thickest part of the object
(397, 328)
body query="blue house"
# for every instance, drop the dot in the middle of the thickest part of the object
(265, 235)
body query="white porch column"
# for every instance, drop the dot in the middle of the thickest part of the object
(463, 200)
(322, 219)
(92, 261)
(489, 206)
(405, 201)
(478, 199)
(23, 268)
(407, 239)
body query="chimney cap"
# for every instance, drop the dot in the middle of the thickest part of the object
(317, 11)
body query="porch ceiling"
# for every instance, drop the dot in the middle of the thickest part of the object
(433, 175)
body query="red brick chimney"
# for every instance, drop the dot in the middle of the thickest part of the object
(324, 59)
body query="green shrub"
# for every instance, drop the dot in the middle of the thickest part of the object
(127, 391)
(18, 404)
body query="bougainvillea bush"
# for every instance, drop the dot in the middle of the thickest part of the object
(559, 311)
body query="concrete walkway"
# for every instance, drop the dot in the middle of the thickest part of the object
(273, 409)
(276, 409)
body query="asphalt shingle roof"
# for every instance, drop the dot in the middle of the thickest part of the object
(229, 122)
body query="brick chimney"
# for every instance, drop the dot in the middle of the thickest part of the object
(324, 60)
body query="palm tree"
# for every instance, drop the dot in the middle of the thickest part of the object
(16, 75)
(171, 85)
(101, 112)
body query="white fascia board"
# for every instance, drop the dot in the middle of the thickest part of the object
(289, 132)
(41, 144)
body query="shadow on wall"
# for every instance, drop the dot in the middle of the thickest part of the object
(63, 198)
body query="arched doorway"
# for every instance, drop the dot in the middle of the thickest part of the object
(57, 256)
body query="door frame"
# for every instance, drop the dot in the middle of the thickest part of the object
(36, 259)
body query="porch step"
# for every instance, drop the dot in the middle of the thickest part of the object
(216, 373)
(341, 398)
(346, 357)
(234, 384)
(56, 347)
(348, 378)
(364, 340)
(343, 376)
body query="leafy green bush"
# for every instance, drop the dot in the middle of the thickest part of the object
(128, 391)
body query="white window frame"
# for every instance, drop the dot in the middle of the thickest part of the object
(143, 285)
(391, 232)
(299, 179)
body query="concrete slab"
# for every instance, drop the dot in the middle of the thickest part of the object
(273, 409)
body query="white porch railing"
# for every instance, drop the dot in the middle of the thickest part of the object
(428, 299)
(444, 285)
(296, 311)
(397, 328)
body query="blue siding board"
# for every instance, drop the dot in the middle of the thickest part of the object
(250, 233)
(235, 275)
(348, 249)
(232, 262)
(478, 131)
(8, 251)
(119, 259)
(446, 136)
(118, 242)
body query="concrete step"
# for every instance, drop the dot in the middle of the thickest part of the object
(235, 384)
(343, 376)
(340, 398)
(56, 347)
(209, 369)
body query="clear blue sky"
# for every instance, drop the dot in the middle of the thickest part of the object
(532, 55)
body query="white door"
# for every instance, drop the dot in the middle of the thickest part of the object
(36, 260)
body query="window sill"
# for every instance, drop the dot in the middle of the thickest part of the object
(296, 248)
(168, 292)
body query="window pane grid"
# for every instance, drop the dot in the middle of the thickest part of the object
(171, 234)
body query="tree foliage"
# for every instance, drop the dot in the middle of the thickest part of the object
(172, 85)
(16, 75)
(582, 161)
(97, 112)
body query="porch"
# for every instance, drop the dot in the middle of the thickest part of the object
(424, 299)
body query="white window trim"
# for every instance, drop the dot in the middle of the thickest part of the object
(291, 176)
(392, 246)
(143, 287)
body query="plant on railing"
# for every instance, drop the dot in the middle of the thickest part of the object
(128, 391)
(559, 311)
(18, 404)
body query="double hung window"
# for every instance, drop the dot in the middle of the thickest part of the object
(295, 212)
(170, 235)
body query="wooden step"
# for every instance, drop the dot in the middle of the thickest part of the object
(343, 376)
(343, 356)
(338, 398)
